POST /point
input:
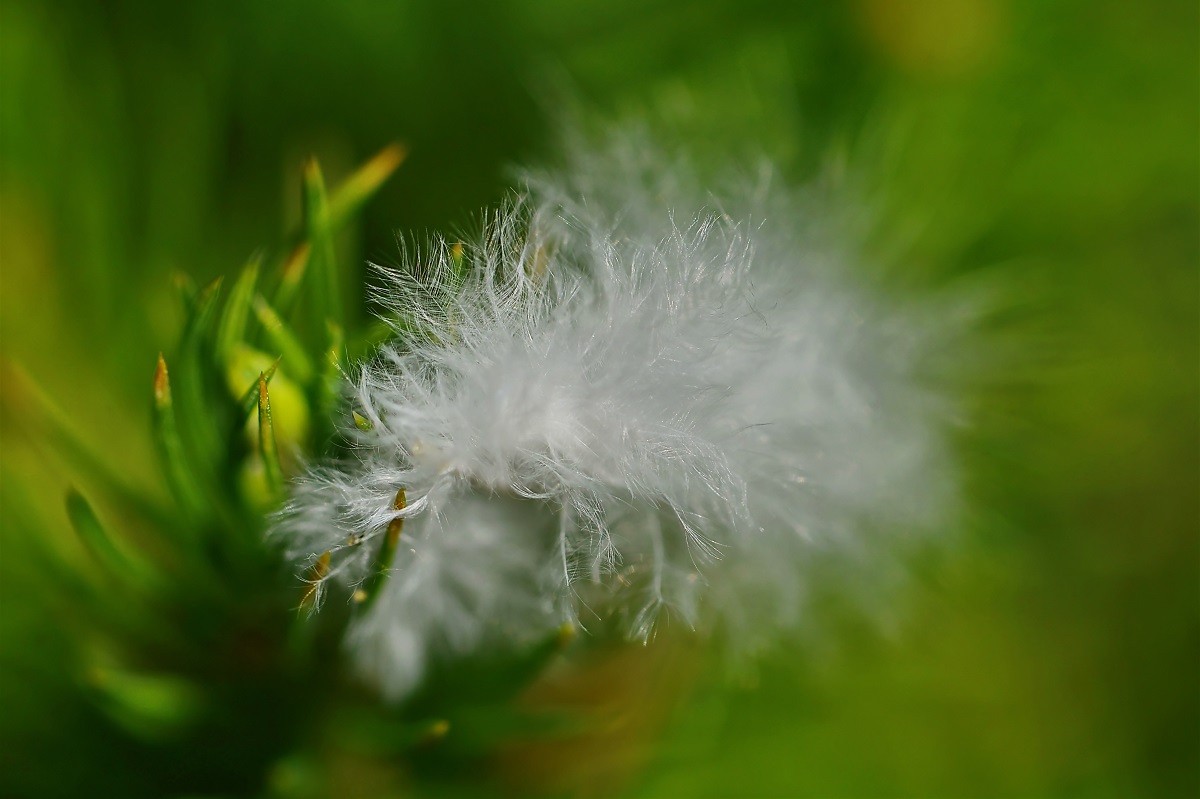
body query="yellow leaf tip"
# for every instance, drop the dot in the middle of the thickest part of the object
(318, 572)
(162, 384)
(390, 157)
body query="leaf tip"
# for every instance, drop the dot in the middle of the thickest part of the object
(397, 524)
(293, 267)
(162, 384)
(316, 576)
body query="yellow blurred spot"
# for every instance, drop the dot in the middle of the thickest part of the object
(437, 731)
(936, 37)
(566, 634)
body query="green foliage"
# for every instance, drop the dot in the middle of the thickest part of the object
(178, 622)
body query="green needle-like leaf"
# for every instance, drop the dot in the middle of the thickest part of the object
(523, 667)
(382, 735)
(194, 417)
(329, 386)
(324, 216)
(377, 333)
(93, 535)
(180, 475)
(354, 192)
(249, 400)
(28, 404)
(185, 290)
(153, 707)
(291, 276)
(373, 586)
(266, 439)
(491, 679)
(232, 328)
(318, 228)
(285, 341)
(120, 566)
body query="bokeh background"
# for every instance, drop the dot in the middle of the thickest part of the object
(1049, 148)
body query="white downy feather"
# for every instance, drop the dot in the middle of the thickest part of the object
(623, 401)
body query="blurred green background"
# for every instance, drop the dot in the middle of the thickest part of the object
(1051, 649)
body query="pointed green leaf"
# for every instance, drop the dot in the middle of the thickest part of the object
(362, 422)
(266, 439)
(180, 475)
(377, 333)
(123, 567)
(381, 735)
(291, 276)
(489, 680)
(93, 535)
(249, 399)
(154, 707)
(232, 328)
(354, 192)
(32, 409)
(329, 386)
(285, 341)
(525, 666)
(185, 290)
(194, 417)
(324, 215)
(372, 587)
(318, 228)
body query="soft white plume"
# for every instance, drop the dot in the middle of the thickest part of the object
(626, 400)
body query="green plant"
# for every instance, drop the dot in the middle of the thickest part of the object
(178, 626)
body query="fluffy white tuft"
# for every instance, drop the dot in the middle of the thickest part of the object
(623, 401)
